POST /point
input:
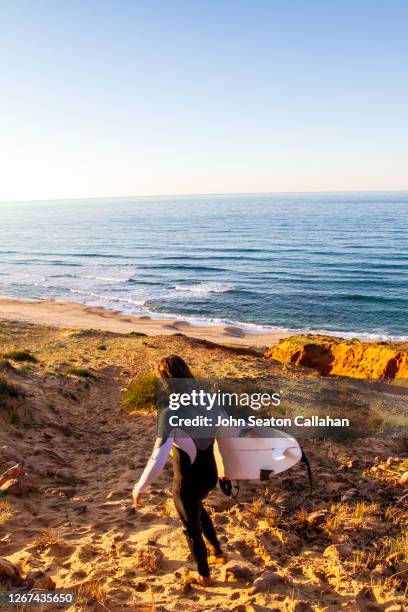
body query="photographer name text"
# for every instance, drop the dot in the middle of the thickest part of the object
(299, 421)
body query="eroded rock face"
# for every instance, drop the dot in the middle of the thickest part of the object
(335, 356)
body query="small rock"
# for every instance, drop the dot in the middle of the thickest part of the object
(317, 518)
(234, 573)
(12, 473)
(16, 481)
(37, 579)
(392, 460)
(61, 473)
(141, 585)
(104, 450)
(269, 581)
(8, 569)
(383, 570)
(366, 594)
(349, 494)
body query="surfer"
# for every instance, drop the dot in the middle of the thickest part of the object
(194, 476)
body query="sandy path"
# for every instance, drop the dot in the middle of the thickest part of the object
(87, 532)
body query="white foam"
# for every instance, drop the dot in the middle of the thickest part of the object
(204, 288)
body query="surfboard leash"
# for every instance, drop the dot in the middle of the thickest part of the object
(227, 488)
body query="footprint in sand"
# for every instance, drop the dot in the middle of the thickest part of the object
(60, 551)
(87, 552)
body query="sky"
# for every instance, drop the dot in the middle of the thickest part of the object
(124, 98)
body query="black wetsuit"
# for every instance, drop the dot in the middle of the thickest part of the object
(192, 483)
(195, 475)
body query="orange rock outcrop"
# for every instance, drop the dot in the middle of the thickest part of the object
(338, 357)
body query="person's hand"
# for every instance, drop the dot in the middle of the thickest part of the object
(137, 498)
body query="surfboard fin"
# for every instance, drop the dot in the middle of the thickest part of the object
(226, 487)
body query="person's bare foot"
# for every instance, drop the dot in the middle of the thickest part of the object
(203, 580)
(216, 560)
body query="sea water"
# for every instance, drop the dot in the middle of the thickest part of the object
(322, 262)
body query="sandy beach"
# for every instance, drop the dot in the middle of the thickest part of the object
(72, 314)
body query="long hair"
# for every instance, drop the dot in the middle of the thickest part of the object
(173, 370)
(173, 366)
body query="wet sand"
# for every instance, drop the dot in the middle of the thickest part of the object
(72, 314)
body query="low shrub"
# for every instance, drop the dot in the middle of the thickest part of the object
(136, 334)
(141, 393)
(8, 390)
(82, 372)
(101, 347)
(23, 356)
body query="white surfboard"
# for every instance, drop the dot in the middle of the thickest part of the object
(247, 456)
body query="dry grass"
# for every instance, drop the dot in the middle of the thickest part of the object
(349, 517)
(397, 546)
(46, 538)
(5, 511)
(93, 591)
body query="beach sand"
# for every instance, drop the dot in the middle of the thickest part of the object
(72, 314)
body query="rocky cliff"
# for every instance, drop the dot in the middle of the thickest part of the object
(336, 356)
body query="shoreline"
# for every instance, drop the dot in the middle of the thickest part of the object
(66, 314)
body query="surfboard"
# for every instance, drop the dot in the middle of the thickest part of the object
(251, 455)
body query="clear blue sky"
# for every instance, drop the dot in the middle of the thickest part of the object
(105, 98)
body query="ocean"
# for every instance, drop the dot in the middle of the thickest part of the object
(316, 262)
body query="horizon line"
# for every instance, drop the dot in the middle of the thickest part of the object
(206, 194)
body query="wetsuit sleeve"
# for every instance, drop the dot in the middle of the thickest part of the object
(156, 463)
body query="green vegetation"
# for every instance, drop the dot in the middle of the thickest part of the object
(23, 356)
(141, 393)
(82, 372)
(8, 390)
